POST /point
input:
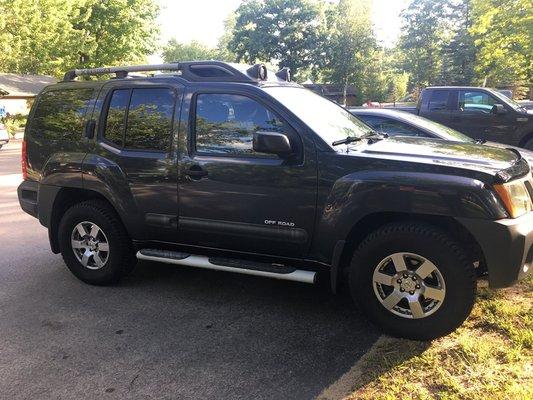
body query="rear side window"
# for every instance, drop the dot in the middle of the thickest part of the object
(140, 119)
(60, 114)
(226, 123)
(439, 100)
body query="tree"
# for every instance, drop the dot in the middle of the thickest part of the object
(287, 31)
(50, 36)
(422, 39)
(352, 47)
(459, 53)
(37, 36)
(503, 33)
(116, 31)
(175, 51)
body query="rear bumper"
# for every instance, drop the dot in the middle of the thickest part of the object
(507, 245)
(27, 193)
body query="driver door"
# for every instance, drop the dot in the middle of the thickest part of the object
(235, 198)
(474, 116)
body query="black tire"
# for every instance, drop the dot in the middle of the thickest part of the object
(120, 258)
(442, 251)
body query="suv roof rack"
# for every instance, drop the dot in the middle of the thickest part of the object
(195, 71)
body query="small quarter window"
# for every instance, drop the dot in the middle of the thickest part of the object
(60, 114)
(226, 123)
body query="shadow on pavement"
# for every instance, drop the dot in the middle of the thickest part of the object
(174, 332)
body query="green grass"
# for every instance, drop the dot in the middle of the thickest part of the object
(489, 357)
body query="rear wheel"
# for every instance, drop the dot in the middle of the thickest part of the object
(413, 280)
(94, 243)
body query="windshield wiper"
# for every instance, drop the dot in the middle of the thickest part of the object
(480, 141)
(370, 136)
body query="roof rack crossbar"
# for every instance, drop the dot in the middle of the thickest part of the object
(123, 71)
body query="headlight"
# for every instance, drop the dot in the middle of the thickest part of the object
(515, 197)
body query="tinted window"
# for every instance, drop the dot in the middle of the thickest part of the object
(225, 123)
(140, 118)
(391, 126)
(116, 117)
(476, 102)
(438, 100)
(60, 114)
(150, 119)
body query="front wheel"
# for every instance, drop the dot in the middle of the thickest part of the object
(413, 280)
(94, 243)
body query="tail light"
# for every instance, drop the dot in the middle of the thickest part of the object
(24, 161)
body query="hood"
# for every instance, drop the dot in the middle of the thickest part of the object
(464, 155)
(527, 154)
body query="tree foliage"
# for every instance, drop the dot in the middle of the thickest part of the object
(503, 32)
(175, 51)
(351, 45)
(290, 32)
(50, 36)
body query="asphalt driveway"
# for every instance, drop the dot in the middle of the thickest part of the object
(165, 332)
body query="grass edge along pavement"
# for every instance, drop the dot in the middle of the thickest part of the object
(489, 357)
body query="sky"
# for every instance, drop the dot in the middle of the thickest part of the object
(203, 20)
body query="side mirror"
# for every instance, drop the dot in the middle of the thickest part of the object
(272, 143)
(498, 109)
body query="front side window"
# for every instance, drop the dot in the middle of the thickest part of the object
(225, 124)
(60, 114)
(476, 102)
(141, 118)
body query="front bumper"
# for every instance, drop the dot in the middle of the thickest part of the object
(507, 245)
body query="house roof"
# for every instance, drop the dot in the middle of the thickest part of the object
(16, 85)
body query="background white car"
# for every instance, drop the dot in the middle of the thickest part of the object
(4, 135)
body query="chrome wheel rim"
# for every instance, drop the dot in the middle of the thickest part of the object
(409, 285)
(89, 244)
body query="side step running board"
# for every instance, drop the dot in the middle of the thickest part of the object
(228, 264)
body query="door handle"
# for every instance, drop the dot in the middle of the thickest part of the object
(196, 172)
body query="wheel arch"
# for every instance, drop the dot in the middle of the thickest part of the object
(65, 198)
(362, 228)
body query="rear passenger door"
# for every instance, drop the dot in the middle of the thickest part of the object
(136, 139)
(235, 198)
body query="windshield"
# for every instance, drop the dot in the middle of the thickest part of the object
(444, 132)
(505, 99)
(327, 119)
